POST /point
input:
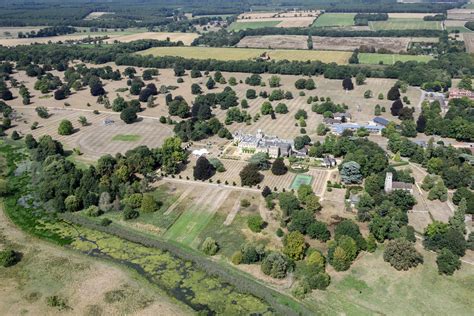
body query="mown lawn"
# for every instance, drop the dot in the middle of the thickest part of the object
(390, 59)
(405, 24)
(126, 137)
(372, 286)
(334, 19)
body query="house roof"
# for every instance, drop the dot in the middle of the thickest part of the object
(381, 121)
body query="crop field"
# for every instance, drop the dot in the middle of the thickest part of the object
(121, 36)
(405, 24)
(237, 26)
(390, 59)
(247, 53)
(469, 41)
(12, 32)
(334, 19)
(395, 44)
(461, 14)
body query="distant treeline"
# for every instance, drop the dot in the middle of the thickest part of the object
(48, 31)
(223, 38)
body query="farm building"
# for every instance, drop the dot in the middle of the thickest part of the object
(455, 93)
(272, 145)
(391, 185)
(371, 127)
(342, 117)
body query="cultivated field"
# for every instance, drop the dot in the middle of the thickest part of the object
(469, 41)
(408, 15)
(405, 24)
(278, 19)
(394, 44)
(390, 59)
(244, 54)
(126, 36)
(334, 19)
(461, 14)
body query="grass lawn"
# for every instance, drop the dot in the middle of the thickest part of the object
(405, 24)
(248, 53)
(126, 137)
(237, 26)
(372, 286)
(334, 19)
(188, 226)
(390, 59)
(301, 179)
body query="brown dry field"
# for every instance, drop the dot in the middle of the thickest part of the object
(408, 15)
(288, 19)
(15, 30)
(186, 38)
(469, 41)
(153, 132)
(461, 14)
(394, 44)
(454, 22)
(47, 270)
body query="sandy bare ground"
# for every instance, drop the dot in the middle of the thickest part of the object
(394, 44)
(186, 38)
(96, 15)
(47, 270)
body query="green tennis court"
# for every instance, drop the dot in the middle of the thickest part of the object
(301, 179)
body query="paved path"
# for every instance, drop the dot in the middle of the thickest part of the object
(235, 209)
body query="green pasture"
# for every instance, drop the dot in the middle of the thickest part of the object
(237, 26)
(404, 24)
(334, 19)
(390, 59)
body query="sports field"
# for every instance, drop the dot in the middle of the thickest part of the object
(405, 24)
(248, 53)
(390, 59)
(237, 26)
(334, 19)
(301, 179)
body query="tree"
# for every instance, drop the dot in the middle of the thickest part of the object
(274, 81)
(393, 94)
(281, 108)
(457, 221)
(196, 89)
(294, 245)
(60, 94)
(371, 243)
(210, 84)
(447, 262)
(318, 230)
(368, 94)
(255, 223)
(465, 83)
(409, 128)
(97, 89)
(350, 172)
(347, 84)
(309, 84)
(360, 79)
(128, 115)
(266, 108)
(83, 121)
(130, 213)
(251, 94)
(209, 246)
(288, 203)
(30, 141)
(261, 160)
(396, 108)
(179, 70)
(72, 203)
(440, 235)
(275, 264)
(342, 252)
(250, 175)
(266, 191)
(42, 112)
(278, 167)
(145, 94)
(438, 192)
(172, 155)
(349, 228)
(65, 128)
(401, 254)
(203, 169)
(149, 204)
(136, 87)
